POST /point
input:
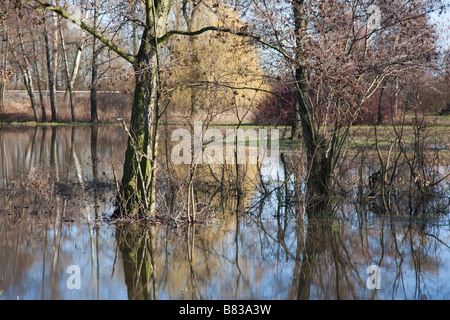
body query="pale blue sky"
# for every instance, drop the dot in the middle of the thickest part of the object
(443, 24)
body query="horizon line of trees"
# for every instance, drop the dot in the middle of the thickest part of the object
(40, 52)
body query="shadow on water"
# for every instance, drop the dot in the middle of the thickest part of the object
(56, 185)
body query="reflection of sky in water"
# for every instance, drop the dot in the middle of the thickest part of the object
(424, 275)
(272, 170)
(46, 277)
(257, 263)
(261, 272)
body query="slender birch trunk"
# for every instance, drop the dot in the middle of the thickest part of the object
(66, 71)
(73, 74)
(76, 65)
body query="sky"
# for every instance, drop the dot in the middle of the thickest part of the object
(443, 24)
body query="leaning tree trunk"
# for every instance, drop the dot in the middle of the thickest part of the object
(28, 80)
(67, 72)
(74, 74)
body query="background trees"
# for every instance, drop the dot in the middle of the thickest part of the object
(213, 72)
(61, 57)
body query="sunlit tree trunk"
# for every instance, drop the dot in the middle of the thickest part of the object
(66, 70)
(138, 181)
(2, 93)
(73, 75)
(139, 176)
(76, 64)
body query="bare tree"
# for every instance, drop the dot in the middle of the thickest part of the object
(338, 54)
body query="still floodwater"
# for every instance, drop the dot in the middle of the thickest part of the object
(254, 255)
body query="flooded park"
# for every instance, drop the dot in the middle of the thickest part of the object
(193, 150)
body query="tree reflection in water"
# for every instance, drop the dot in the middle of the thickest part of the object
(283, 258)
(261, 246)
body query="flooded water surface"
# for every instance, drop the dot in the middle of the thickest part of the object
(58, 183)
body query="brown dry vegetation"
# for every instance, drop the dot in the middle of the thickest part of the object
(112, 106)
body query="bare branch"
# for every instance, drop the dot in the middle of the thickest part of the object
(85, 26)
(225, 30)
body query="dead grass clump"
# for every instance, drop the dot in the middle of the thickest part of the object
(40, 183)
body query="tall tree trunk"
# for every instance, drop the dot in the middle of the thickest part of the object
(93, 96)
(51, 69)
(76, 64)
(138, 180)
(138, 194)
(94, 71)
(2, 93)
(28, 80)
